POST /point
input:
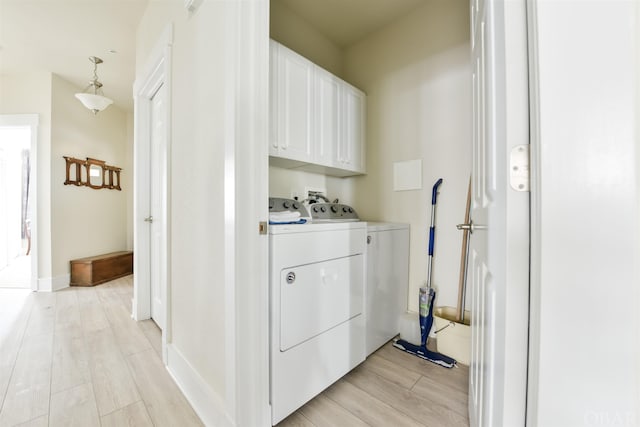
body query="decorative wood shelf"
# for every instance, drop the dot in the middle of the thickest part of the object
(92, 173)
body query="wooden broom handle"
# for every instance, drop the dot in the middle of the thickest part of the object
(463, 257)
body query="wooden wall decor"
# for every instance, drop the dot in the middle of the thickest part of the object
(92, 173)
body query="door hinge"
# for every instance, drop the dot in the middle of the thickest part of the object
(262, 227)
(519, 176)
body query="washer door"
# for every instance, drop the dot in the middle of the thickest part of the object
(317, 297)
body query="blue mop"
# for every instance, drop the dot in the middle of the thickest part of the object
(427, 296)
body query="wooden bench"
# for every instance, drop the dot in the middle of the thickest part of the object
(98, 269)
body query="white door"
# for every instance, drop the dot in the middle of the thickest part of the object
(157, 216)
(499, 244)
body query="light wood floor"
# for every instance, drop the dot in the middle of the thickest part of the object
(76, 358)
(391, 388)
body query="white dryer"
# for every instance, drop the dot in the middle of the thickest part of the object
(316, 309)
(387, 281)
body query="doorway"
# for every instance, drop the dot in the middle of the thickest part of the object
(17, 201)
(151, 198)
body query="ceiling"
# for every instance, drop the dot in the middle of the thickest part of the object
(345, 22)
(58, 36)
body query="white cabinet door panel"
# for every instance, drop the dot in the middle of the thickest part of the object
(326, 130)
(294, 106)
(351, 146)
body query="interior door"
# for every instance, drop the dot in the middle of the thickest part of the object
(499, 244)
(157, 217)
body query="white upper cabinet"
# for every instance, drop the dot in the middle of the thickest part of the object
(353, 115)
(291, 105)
(327, 120)
(317, 119)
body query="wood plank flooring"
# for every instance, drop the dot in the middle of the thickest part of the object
(391, 388)
(76, 358)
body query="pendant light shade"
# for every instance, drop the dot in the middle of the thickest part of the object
(94, 102)
(92, 96)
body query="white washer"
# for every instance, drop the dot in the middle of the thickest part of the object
(387, 281)
(316, 309)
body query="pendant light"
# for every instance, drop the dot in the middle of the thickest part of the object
(92, 96)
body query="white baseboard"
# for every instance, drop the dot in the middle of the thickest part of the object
(205, 401)
(61, 282)
(52, 284)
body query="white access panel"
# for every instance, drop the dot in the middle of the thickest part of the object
(387, 282)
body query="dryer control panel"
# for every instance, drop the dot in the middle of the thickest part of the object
(279, 204)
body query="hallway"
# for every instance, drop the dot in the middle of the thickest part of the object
(75, 357)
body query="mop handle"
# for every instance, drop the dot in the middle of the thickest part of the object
(434, 192)
(432, 229)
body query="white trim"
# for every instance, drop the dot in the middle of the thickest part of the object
(32, 121)
(246, 196)
(205, 401)
(61, 282)
(45, 284)
(157, 72)
(52, 284)
(533, 368)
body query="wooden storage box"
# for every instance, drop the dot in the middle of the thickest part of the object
(98, 269)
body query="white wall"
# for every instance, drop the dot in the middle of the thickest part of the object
(72, 222)
(197, 310)
(218, 161)
(85, 222)
(585, 294)
(416, 73)
(297, 34)
(286, 182)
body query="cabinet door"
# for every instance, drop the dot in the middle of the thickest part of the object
(326, 130)
(273, 97)
(294, 105)
(351, 145)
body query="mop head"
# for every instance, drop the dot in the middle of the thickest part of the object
(422, 352)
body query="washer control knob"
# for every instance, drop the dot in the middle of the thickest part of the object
(344, 209)
(286, 204)
(350, 210)
(315, 209)
(323, 209)
(296, 206)
(271, 204)
(334, 209)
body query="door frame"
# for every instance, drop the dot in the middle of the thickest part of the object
(31, 121)
(157, 72)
